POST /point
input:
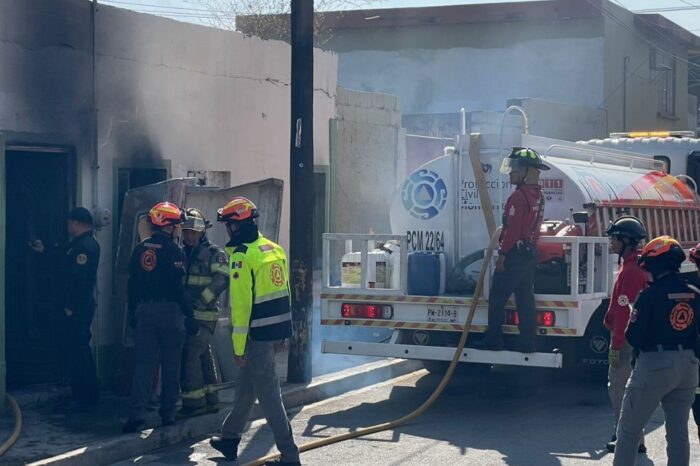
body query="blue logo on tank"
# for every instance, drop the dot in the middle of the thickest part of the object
(424, 194)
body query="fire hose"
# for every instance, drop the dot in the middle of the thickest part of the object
(18, 425)
(438, 390)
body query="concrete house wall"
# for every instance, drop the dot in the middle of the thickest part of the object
(632, 39)
(169, 94)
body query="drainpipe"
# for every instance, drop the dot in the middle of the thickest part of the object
(625, 64)
(95, 146)
(95, 169)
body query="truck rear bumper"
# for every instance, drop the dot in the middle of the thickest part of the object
(437, 353)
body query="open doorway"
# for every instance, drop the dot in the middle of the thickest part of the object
(40, 186)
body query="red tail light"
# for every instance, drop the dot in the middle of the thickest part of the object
(367, 311)
(544, 318)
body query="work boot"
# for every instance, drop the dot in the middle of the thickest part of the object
(226, 446)
(491, 342)
(613, 443)
(132, 425)
(524, 345)
(282, 463)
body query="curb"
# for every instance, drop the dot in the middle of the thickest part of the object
(114, 449)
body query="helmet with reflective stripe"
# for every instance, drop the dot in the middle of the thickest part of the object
(628, 227)
(165, 214)
(238, 209)
(661, 254)
(195, 220)
(522, 157)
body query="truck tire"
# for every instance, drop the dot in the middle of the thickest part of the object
(591, 352)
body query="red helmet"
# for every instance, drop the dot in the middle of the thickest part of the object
(662, 253)
(165, 214)
(694, 255)
(238, 209)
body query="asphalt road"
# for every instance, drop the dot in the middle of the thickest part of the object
(510, 416)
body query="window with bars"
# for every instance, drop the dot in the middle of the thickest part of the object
(663, 67)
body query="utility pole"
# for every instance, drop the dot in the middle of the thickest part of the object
(301, 167)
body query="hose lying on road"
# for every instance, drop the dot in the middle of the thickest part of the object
(18, 425)
(435, 395)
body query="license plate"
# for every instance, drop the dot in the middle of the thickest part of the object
(442, 314)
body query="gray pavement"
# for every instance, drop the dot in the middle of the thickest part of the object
(510, 416)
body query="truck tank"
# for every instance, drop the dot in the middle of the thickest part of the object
(438, 207)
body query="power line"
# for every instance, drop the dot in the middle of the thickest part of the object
(620, 23)
(614, 91)
(164, 7)
(669, 9)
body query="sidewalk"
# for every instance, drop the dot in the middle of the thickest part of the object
(93, 437)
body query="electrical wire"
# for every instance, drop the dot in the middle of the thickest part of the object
(620, 23)
(436, 393)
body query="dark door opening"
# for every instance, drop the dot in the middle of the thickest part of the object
(40, 185)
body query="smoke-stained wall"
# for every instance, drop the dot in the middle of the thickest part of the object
(197, 98)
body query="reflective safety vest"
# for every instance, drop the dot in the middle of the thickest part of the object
(206, 278)
(259, 284)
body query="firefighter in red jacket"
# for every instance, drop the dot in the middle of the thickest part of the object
(517, 254)
(625, 234)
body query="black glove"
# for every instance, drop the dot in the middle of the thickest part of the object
(191, 326)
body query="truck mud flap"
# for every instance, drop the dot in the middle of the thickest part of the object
(442, 353)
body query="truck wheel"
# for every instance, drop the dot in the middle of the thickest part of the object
(591, 351)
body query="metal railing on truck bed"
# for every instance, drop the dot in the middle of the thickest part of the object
(591, 278)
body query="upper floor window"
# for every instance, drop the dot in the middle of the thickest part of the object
(663, 74)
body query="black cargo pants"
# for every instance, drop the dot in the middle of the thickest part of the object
(159, 336)
(518, 277)
(79, 362)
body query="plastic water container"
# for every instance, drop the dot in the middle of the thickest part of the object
(377, 272)
(426, 275)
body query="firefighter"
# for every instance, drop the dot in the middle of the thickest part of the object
(78, 272)
(205, 279)
(625, 234)
(517, 255)
(159, 313)
(663, 329)
(260, 312)
(694, 257)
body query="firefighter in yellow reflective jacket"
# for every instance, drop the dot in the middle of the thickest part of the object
(206, 278)
(260, 312)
